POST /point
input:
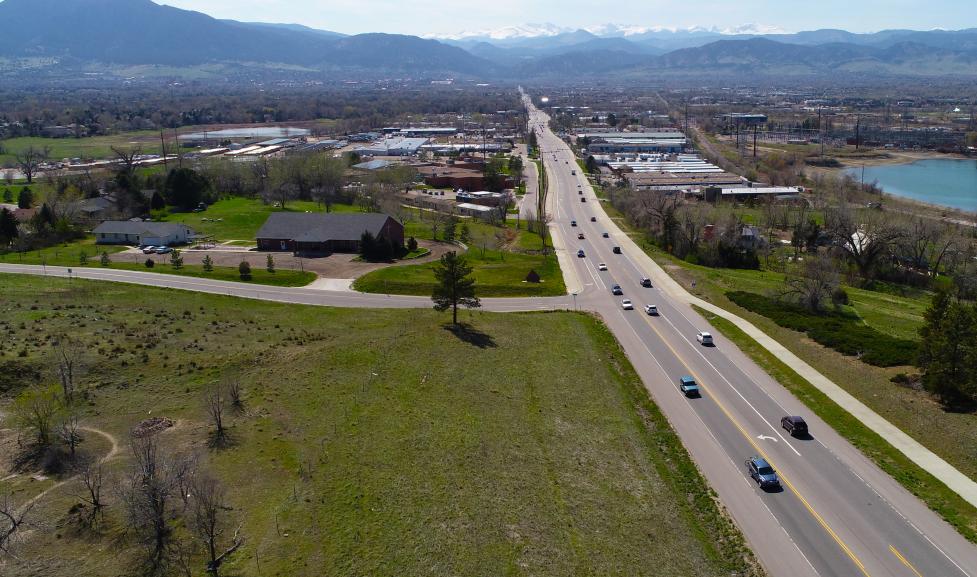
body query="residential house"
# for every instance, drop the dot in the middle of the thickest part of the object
(137, 232)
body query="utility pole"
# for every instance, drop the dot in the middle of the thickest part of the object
(162, 141)
(179, 155)
(756, 129)
(821, 132)
(858, 132)
(687, 118)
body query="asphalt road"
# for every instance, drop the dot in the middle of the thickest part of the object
(837, 514)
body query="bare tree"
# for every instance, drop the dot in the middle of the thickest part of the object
(68, 354)
(30, 160)
(68, 431)
(147, 491)
(12, 518)
(127, 159)
(92, 478)
(208, 520)
(216, 405)
(814, 284)
(863, 237)
(235, 394)
(35, 411)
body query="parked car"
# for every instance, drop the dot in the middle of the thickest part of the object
(580, 236)
(616, 250)
(601, 266)
(688, 386)
(163, 250)
(605, 235)
(761, 472)
(616, 290)
(580, 253)
(148, 249)
(704, 338)
(645, 282)
(794, 425)
(626, 305)
(573, 223)
(651, 310)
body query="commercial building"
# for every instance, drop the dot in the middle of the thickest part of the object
(483, 198)
(746, 193)
(671, 181)
(635, 142)
(743, 119)
(475, 210)
(398, 146)
(325, 233)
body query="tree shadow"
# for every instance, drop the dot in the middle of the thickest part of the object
(225, 440)
(471, 335)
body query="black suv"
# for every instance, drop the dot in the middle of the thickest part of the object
(616, 290)
(645, 282)
(795, 426)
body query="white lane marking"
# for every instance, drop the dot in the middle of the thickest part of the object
(731, 386)
(766, 438)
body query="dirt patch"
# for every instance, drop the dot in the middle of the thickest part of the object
(151, 426)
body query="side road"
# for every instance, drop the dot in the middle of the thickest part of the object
(912, 449)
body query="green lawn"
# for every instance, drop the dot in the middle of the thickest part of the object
(496, 275)
(65, 254)
(239, 218)
(375, 442)
(94, 147)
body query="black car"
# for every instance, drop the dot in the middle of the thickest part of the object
(616, 290)
(645, 282)
(605, 235)
(794, 425)
(583, 199)
(616, 250)
(573, 223)
(593, 219)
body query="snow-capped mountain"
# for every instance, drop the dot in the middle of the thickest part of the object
(548, 30)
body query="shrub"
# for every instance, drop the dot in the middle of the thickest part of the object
(843, 332)
(208, 263)
(411, 244)
(244, 270)
(104, 260)
(270, 265)
(150, 263)
(83, 258)
(840, 297)
(176, 260)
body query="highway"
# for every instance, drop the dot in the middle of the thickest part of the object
(837, 515)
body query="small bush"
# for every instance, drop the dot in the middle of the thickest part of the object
(411, 244)
(150, 263)
(840, 297)
(842, 332)
(104, 260)
(208, 263)
(83, 258)
(244, 270)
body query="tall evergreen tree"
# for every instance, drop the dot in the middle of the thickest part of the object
(8, 227)
(455, 285)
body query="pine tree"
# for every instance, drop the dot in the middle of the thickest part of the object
(270, 265)
(208, 263)
(455, 285)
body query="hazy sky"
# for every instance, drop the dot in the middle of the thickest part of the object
(452, 16)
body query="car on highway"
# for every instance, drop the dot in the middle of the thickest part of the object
(645, 282)
(580, 192)
(794, 425)
(761, 472)
(704, 338)
(605, 235)
(593, 219)
(601, 266)
(651, 310)
(580, 236)
(163, 250)
(583, 199)
(626, 305)
(580, 253)
(573, 223)
(616, 290)
(688, 386)
(148, 249)
(616, 250)
(573, 172)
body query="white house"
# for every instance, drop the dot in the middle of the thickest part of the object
(142, 233)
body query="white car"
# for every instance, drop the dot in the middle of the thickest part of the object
(704, 338)
(601, 266)
(651, 310)
(148, 249)
(626, 305)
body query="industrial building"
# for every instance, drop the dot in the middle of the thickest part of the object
(636, 142)
(671, 181)
(397, 146)
(748, 193)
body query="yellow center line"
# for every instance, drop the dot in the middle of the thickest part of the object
(904, 560)
(807, 505)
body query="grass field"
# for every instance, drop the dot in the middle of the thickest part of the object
(375, 442)
(94, 147)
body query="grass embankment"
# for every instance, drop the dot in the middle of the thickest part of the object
(375, 442)
(955, 510)
(68, 255)
(92, 147)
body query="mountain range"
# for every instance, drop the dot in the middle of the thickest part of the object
(87, 34)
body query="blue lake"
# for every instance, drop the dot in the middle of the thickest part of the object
(943, 181)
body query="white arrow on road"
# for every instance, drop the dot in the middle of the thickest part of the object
(766, 438)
